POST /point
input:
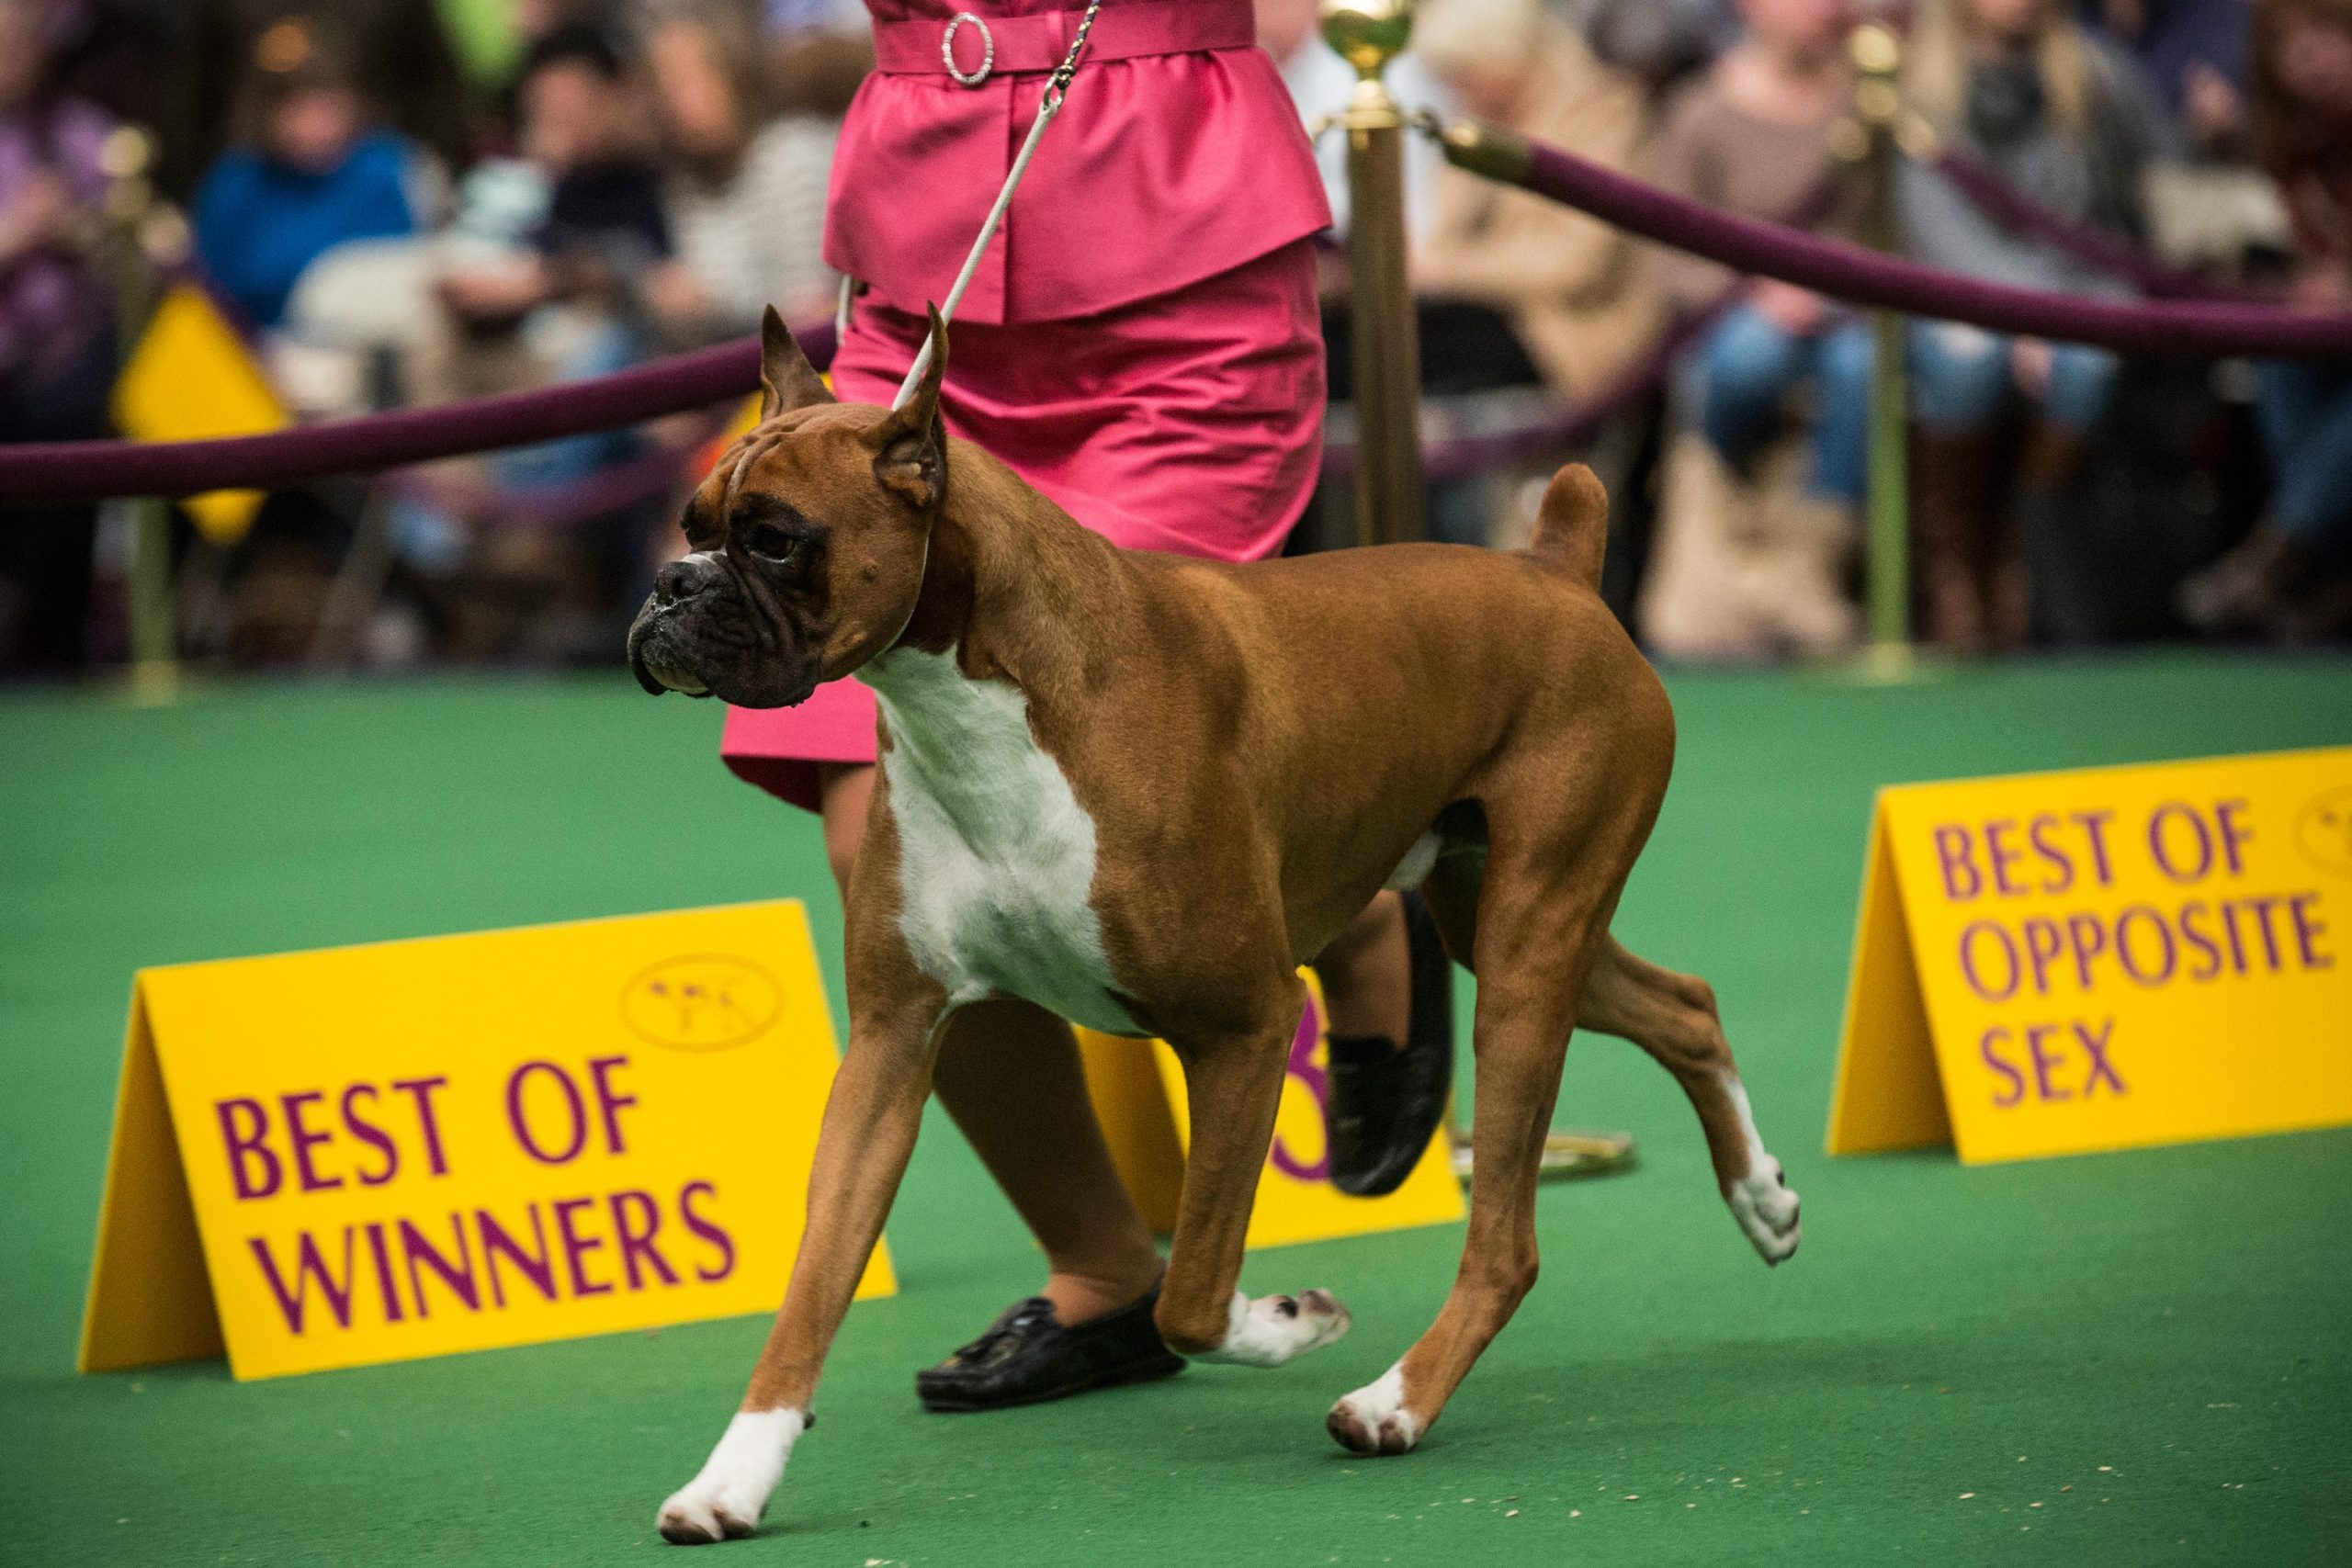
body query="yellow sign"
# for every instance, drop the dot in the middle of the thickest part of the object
(370, 1154)
(1139, 1097)
(2059, 962)
(192, 378)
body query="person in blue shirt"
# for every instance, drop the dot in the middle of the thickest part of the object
(310, 174)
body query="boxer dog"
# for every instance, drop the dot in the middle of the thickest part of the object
(1138, 790)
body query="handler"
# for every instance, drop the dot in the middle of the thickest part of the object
(1141, 344)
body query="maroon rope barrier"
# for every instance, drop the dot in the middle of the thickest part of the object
(2110, 254)
(1846, 271)
(67, 471)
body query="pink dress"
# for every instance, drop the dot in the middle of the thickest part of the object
(1141, 342)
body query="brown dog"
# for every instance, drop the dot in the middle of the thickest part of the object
(1138, 790)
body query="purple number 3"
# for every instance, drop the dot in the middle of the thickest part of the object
(1318, 1084)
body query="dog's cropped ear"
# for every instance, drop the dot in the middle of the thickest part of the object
(910, 445)
(787, 380)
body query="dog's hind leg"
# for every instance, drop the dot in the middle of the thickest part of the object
(1673, 1017)
(1540, 919)
(1234, 1085)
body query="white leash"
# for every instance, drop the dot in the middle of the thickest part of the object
(1056, 89)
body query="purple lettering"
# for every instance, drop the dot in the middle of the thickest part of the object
(2308, 931)
(250, 1144)
(611, 1102)
(2155, 974)
(458, 1277)
(2015, 1079)
(707, 1231)
(576, 1246)
(1953, 853)
(392, 1313)
(2035, 1033)
(2087, 937)
(2041, 945)
(307, 1266)
(2262, 907)
(636, 1239)
(2095, 1047)
(521, 1125)
(421, 1090)
(371, 1135)
(2192, 916)
(2094, 825)
(2002, 857)
(2235, 835)
(537, 1267)
(304, 1140)
(2158, 842)
(1967, 960)
(2037, 833)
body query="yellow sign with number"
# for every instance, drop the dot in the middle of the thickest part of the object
(370, 1154)
(1138, 1092)
(2104, 959)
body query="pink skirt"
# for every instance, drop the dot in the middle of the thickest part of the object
(1189, 423)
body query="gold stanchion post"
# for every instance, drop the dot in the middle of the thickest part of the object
(1878, 109)
(1368, 34)
(126, 156)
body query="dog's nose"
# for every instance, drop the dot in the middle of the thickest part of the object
(681, 579)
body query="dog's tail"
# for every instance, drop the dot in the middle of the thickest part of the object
(1572, 525)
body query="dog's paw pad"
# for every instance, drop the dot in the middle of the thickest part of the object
(696, 1517)
(1270, 1330)
(1375, 1419)
(1765, 1207)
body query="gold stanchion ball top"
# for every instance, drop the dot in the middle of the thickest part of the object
(125, 153)
(1876, 51)
(1368, 34)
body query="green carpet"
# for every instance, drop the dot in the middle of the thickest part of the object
(2127, 1358)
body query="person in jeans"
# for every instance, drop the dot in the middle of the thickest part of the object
(2289, 576)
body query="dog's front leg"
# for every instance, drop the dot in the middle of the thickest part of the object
(862, 1149)
(1234, 1084)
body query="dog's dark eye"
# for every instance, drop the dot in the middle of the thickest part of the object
(770, 543)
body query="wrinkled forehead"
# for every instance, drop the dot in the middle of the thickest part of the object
(784, 451)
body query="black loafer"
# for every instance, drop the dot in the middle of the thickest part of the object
(1385, 1101)
(1027, 1357)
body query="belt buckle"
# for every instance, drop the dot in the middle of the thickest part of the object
(948, 50)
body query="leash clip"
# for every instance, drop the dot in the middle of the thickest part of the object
(987, 49)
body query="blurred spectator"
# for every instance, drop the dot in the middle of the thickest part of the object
(309, 176)
(1662, 41)
(2288, 577)
(56, 336)
(1753, 542)
(1751, 137)
(2070, 123)
(747, 186)
(585, 125)
(1568, 288)
(2194, 52)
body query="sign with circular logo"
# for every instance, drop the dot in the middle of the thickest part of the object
(702, 1002)
(2324, 832)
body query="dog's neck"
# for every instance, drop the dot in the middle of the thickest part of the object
(1011, 587)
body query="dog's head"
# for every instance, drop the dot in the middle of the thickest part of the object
(809, 540)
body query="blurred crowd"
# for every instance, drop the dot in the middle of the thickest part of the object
(397, 202)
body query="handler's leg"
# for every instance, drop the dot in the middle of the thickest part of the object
(1010, 1075)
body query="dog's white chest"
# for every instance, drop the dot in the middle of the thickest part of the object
(996, 856)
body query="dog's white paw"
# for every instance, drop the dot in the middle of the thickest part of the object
(1375, 1420)
(724, 1501)
(1274, 1329)
(1765, 1207)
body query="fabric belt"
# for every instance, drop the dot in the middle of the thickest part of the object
(1036, 42)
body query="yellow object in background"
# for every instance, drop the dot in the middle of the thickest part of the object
(2058, 963)
(191, 377)
(1138, 1092)
(371, 1154)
